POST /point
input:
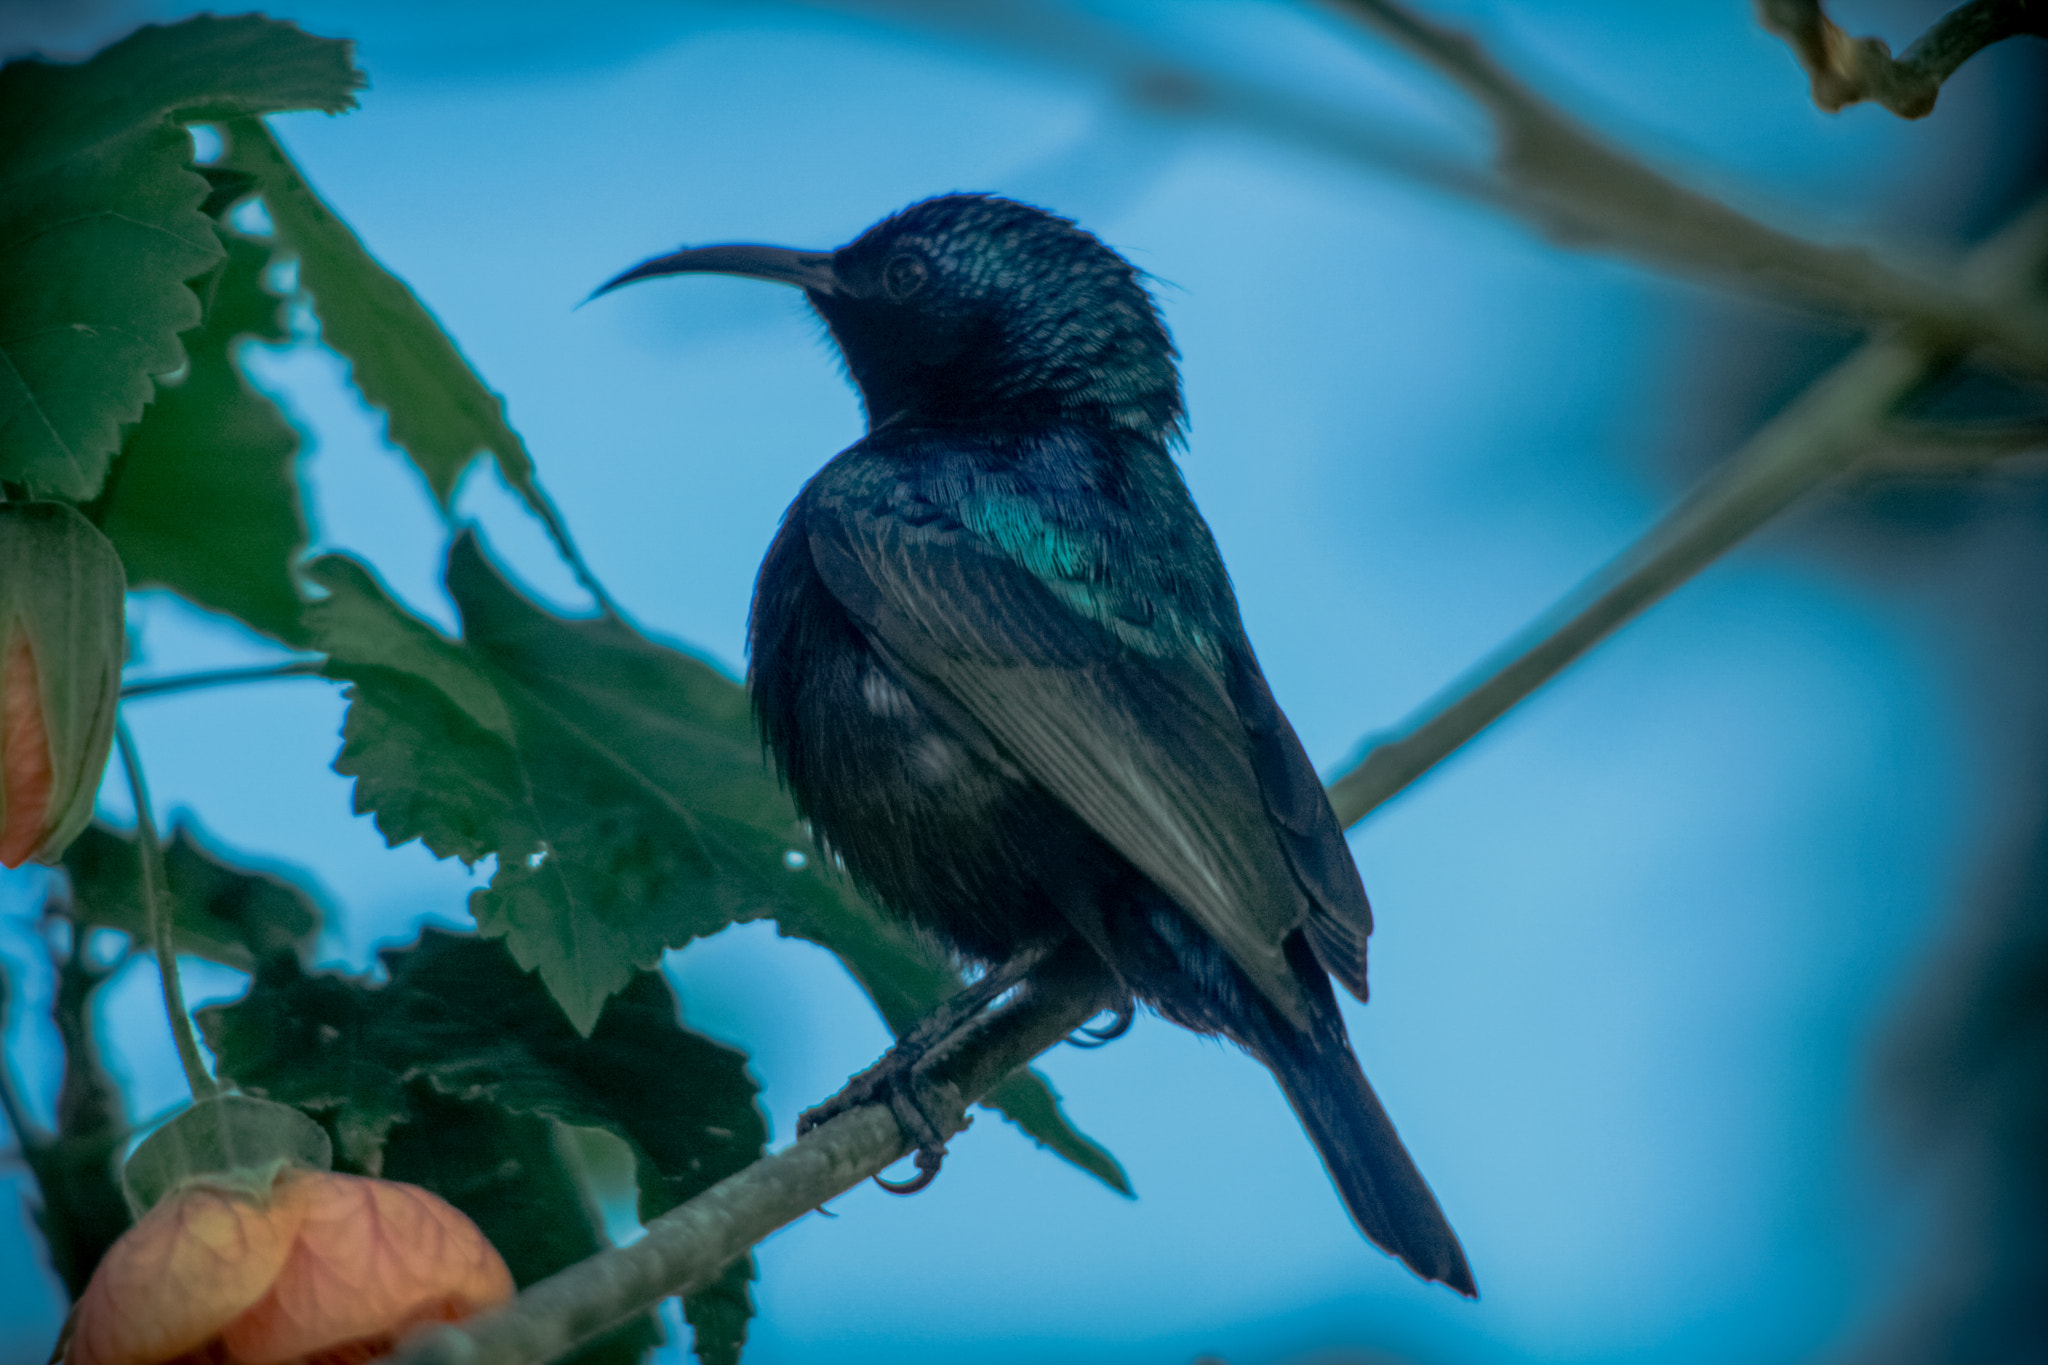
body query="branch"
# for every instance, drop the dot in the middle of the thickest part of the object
(1825, 432)
(1582, 192)
(687, 1247)
(1950, 448)
(1845, 70)
(1552, 171)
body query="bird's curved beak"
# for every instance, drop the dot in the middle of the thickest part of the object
(810, 271)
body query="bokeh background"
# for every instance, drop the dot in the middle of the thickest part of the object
(1708, 985)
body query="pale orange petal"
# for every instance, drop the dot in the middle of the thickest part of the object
(194, 1264)
(25, 763)
(372, 1256)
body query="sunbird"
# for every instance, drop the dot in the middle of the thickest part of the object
(998, 662)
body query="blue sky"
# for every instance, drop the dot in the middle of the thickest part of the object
(1633, 945)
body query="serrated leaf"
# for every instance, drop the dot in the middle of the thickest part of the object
(440, 411)
(100, 225)
(204, 499)
(634, 812)
(719, 1313)
(198, 70)
(220, 910)
(685, 732)
(96, 253)
(505, 1172)
(304, 1040)
(357, 622)
(459, 1020)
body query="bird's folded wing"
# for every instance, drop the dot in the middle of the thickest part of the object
(1340, 917)
(1150, 752)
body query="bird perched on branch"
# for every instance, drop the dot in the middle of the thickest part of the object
(999, 664)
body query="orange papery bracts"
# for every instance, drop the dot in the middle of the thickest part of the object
(61, 643)
(317, 1269)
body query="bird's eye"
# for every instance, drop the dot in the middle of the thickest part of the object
(903, 276)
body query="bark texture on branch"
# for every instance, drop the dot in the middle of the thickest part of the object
(1845, 71)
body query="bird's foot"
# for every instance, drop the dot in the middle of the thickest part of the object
(1090, 1035)
(895, 1080)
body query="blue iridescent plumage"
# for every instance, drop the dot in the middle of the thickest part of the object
(997, 659)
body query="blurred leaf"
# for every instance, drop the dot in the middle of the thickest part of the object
(358, 623)
(204, 499)
(460, 1016)
(79, 1210)
(1028, 1100)
(634, 812)
(220, 911)
(313, 1041)
(719, 1313)
(685, 733)
(92, 298)
(201, 69)
(662, 822)
(100, 225)
(441, 413)
(506, 1174)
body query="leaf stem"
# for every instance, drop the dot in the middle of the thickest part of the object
(221, 677)
(156, 905)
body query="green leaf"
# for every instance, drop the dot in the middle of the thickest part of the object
(358, 623)
(506, 1174)
(196, 71)
(440, 411)
(634, 811)
(220, 910)
(719, 1313)
(204, 499)
(92, 298)
(1028, 1100)
(685, 734)
(309, 1041)
(100, 225)
(459, 1020)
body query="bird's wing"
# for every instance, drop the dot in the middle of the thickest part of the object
(1340, 917)
(1148, 749)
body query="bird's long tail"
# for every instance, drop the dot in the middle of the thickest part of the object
(1387, 1196)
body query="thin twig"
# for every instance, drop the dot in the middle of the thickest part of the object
(221, 677)
(1845, 71)
(1817, 437)
(687, 1247)
(156, 905)
(1950, 448)
(1823, 433)
(1553, 172)
(1583, 191)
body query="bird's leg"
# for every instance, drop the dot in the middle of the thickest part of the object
(892, 1079)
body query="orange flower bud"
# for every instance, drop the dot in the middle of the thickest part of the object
(61, 642)
(322, 1269)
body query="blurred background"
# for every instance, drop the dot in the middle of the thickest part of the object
(1710, 987)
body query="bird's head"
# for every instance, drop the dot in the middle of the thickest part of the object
(974, 310)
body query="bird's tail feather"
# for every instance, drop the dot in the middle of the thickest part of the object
(1386, 1194)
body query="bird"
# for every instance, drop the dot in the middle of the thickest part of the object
(998, 663)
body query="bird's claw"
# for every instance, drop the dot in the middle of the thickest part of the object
(928, 1161)
(1090, 1036)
